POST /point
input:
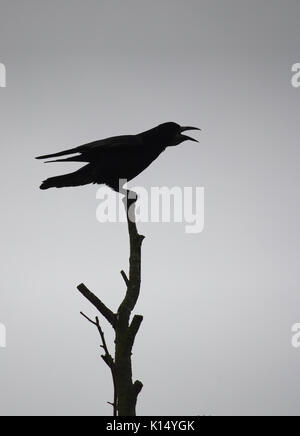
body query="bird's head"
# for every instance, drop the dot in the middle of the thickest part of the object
(172, 133)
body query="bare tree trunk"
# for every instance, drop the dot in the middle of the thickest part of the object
(125, 391)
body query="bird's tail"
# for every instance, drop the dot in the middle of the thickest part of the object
(61, 153)
(78, 178)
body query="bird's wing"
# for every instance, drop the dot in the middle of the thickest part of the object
(92, 149)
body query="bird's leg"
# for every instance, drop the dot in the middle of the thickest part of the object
(130, 196)
(129, 200)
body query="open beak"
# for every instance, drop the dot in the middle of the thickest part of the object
(185, 129)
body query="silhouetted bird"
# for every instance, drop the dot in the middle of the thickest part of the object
(119, 157)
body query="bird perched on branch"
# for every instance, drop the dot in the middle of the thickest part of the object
(117, 158)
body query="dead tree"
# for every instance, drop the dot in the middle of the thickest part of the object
(125, 391)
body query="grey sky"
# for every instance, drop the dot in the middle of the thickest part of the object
(219, 305)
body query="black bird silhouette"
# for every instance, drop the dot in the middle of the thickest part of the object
(117, 158)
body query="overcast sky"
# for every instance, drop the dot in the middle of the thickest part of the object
(218, 306)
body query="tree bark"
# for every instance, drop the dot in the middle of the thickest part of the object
(125, 391)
